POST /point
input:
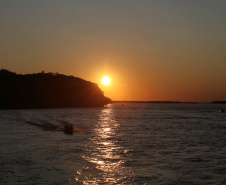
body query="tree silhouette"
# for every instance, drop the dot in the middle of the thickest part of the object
(48, 90)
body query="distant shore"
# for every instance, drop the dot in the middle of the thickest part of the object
(173, 102)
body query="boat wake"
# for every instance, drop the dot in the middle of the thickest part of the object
(65, 127)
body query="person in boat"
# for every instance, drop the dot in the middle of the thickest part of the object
(222, 110)
(68, 129)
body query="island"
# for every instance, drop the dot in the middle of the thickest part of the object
(219, 102)
(48, 90)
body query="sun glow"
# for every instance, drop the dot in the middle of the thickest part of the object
(106, 80)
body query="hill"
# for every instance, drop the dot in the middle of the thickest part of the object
(48, 90)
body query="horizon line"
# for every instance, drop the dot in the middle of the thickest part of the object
(166, 101)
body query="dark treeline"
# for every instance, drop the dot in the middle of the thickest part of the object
(219, 102)
(48, 90)
(151, 102)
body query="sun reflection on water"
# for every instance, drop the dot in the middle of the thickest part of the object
(105, 154)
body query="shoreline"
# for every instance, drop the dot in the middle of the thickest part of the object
(171, 102)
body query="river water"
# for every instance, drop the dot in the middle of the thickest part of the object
(133, 143)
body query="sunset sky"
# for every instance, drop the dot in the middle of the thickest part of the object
(151, 49)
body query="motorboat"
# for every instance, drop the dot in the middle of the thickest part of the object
(68, 129)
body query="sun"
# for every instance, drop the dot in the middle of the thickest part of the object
(106, 80)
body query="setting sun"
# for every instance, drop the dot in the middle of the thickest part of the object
(106, 80)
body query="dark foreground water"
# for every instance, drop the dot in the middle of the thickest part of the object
(132, 144)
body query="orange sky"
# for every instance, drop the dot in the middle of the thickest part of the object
(152, 50)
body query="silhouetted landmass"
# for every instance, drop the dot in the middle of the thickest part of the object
(219, 102)
(151, 102)
(48, 90)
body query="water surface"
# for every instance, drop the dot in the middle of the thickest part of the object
(130, 144)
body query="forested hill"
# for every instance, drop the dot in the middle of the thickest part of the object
(48, 90)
